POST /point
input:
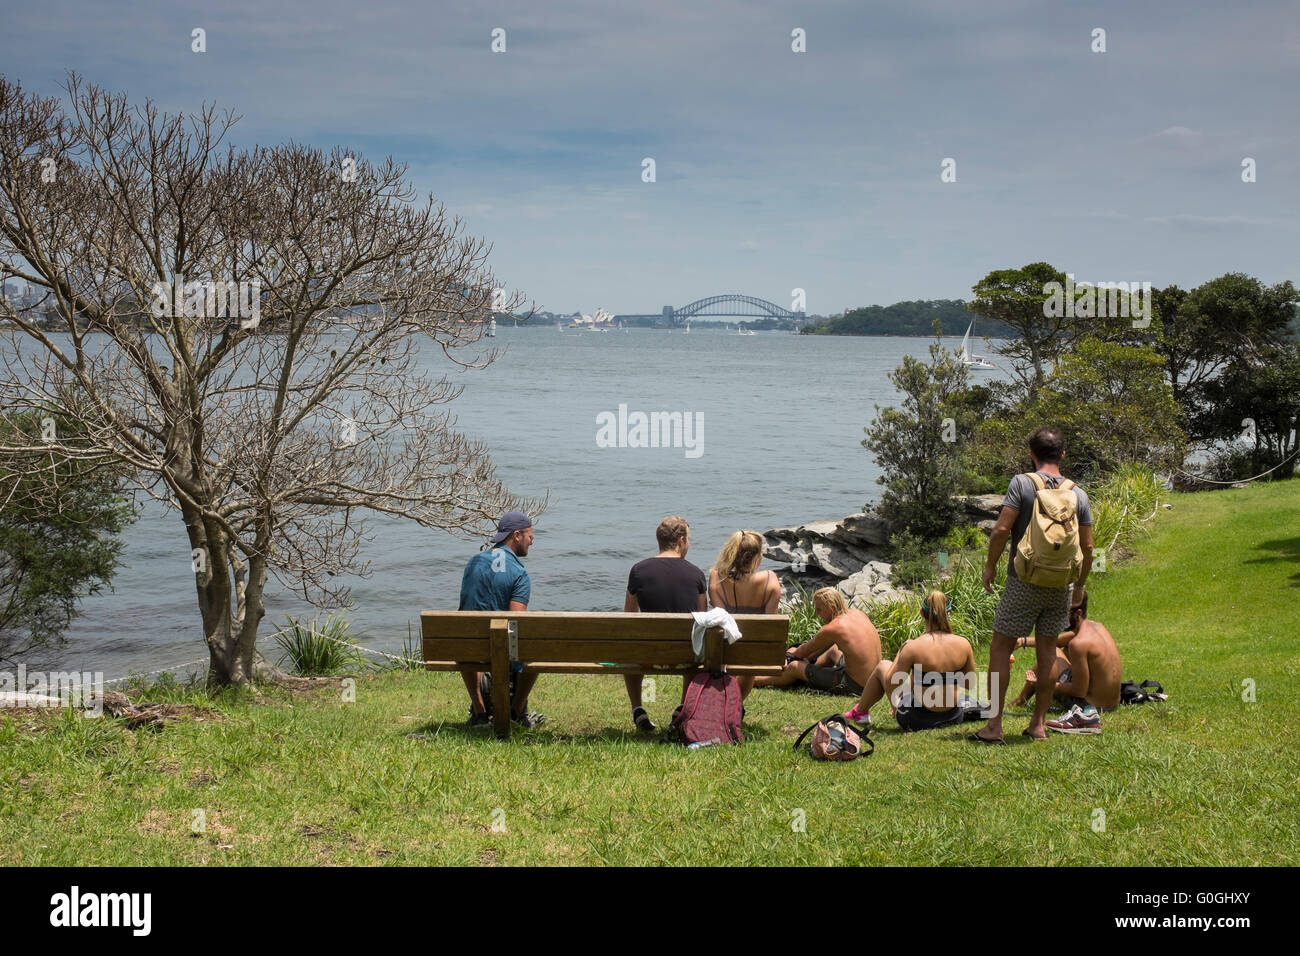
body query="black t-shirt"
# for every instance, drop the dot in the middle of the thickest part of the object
(666, 585)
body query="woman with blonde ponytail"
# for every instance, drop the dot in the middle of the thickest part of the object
(736, 583)
(924, 680)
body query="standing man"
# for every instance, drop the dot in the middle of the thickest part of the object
(664, 584)
(1087, 672)
(1025, 608)
(495, 580)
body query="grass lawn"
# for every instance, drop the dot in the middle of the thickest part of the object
(1208, 602)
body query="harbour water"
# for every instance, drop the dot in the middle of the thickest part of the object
(778, 420)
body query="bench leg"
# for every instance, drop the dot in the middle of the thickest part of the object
(501, 702)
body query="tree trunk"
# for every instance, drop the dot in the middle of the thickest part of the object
(220, 580)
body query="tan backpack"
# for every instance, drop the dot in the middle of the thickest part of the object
(1048, 555)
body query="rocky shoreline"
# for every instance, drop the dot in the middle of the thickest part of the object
(850, 553)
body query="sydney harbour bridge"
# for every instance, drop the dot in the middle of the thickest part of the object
(730, 305)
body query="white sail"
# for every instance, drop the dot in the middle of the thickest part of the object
(965, 344)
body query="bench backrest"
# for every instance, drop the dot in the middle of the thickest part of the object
(662, 640)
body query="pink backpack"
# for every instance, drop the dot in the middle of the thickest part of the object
(711, 712)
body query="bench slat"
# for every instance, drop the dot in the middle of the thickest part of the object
(566, 667)
(758, 628)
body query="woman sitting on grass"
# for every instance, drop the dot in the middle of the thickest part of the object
(924, 680)
(737, 585)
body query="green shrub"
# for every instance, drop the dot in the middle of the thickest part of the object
(913, 561)
(314, 649)
(964, 537)
(1121, 504)
(412, 657)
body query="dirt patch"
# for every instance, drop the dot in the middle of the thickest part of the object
(200, 778)
(154, 716)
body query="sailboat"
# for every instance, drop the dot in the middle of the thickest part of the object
(492, 329)
(973, 361)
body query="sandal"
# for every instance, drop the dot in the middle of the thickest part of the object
(976, 738)
(530, 719)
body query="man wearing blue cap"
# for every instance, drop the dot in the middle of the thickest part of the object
(496, 580)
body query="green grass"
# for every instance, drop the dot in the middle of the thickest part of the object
(1207, 602)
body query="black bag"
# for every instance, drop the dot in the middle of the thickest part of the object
(1134, 693)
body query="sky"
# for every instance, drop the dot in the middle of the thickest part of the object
(775, 170)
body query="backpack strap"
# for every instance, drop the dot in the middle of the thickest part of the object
(1065, 485)
(1037, 479)
(810, 730)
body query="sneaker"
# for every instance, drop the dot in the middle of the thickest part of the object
(478, 720)
(1075, 721)
(530, 719)
(860, 717)
(643, 721)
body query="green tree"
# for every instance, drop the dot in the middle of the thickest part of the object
(1114, 406)
(916, 445)
(1109, 400)
(1019, 298)
(1256, 401)
(59, 534)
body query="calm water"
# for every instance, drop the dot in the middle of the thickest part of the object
(782, 421)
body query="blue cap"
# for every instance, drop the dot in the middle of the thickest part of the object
(511, 521)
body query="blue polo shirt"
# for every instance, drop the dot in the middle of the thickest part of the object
(493, 579)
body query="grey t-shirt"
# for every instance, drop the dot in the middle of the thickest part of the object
(1020, 495)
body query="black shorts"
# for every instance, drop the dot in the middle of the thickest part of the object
(833, 680)
(918, 718)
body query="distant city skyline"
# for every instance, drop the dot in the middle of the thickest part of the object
(774, 169)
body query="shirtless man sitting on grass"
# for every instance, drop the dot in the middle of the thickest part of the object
(839, 657)
(1085, 675)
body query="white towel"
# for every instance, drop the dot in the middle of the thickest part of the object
(713, 617)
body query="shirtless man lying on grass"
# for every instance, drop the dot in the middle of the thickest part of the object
(1085, 675)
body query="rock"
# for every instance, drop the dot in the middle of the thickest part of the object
(868, 583)
(785, 551)
(835, 559)
(864, 528)
(818, 529)
(865, 555)
(888, 594)
(983, 506)
(987, 525)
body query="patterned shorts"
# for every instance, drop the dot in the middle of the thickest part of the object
(1026, 609)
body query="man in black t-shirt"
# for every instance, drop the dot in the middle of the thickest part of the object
(664, 584)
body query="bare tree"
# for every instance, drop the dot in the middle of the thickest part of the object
(242, 329)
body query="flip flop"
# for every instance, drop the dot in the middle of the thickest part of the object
(1026, 733)
(977, 739)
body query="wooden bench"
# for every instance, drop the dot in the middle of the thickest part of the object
(575, 642)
